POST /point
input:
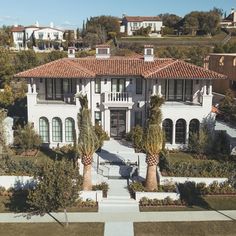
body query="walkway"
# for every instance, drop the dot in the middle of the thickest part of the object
(165, 216)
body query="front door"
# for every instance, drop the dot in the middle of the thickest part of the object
(118, 123)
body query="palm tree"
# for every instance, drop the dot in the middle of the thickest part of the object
(87, 142)
(153, 141)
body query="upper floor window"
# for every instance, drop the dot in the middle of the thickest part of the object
(139, 85)
(56, 35)
(40, 35)
(118, 85)
(97, 85)
(102, 51)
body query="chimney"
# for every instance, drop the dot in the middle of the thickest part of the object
(71, 52)
(103, 51)
(148, 53)
(51, 25)
(37, 24)
(232, 10)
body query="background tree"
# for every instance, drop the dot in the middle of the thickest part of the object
(58, 186)
(87, 143)
(170, 22)
(153, 141)
(2, 130)
(6, 36)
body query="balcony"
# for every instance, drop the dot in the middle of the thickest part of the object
(117, 99)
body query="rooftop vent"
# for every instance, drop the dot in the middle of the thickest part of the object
(71, 52)
(148, 53)
(102, 51)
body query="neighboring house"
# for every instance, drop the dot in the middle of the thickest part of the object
(118, 91)
(130, 24)
(224, 63)
(34, 34)
(229, 22)
(18, 35)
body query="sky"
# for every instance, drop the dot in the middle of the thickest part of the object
(71, 13)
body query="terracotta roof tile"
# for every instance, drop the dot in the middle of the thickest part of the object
(142, 18)
(17, 29)
(90, 67)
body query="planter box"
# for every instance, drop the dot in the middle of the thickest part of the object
(156, 195)
(17, 182)
(171, 179)
(93, 195)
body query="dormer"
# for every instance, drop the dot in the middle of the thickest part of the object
(148, 53)
(102, 51)
(71, 52)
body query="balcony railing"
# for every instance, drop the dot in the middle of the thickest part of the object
(117, 97)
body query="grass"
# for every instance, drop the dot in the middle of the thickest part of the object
(225, 228)
(19, 205)
(221, 202)
(180, 156)
(52, 229)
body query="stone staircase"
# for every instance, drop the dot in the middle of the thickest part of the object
(118, 204)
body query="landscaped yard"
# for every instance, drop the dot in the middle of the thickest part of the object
(52, 229)
(205, 203)
(226, 228)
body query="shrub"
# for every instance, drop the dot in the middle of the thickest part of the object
(156, 202)
(101, 134)
(137, 137)
(136, 187)
(102, 186)
(26, 138)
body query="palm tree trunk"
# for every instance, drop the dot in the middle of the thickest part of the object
(87, 178)
(151, 178)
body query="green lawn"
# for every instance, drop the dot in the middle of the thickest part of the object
(213, 228)
(52, 229)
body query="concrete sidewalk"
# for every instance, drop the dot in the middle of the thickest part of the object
(124, 217)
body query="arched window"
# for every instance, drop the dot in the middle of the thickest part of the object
(44, 129)
(56, 130)
(167, 127)
(69, 129)
(180, 131)
(221, 61)
(194, 126)
(234, 61)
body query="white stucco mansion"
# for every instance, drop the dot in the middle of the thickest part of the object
(118, 91)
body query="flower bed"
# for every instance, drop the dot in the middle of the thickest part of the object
(146, 202)
(102, 186)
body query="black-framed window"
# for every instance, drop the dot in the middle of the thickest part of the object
(139, 85)
(138, 118)
(44, 129)
(188, 90)
(69, 129)
(167, 127)
(180, 131)
(118, 85)
(194, 126)
(57, 88)
(98, 117)
(97, 85)
(175, 90)
(56, 130)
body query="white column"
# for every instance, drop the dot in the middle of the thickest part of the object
(50, 131)
(154, 89)
(107, 121)
(29, 88)
(173, 133)
(210, 90)
(159, 89)
(34, 88)
(187, 132)
(128, 120)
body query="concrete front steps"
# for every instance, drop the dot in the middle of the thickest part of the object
(118, 204)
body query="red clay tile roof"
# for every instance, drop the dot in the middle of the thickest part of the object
(90, 67)
(17, 29)
(142, 18)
